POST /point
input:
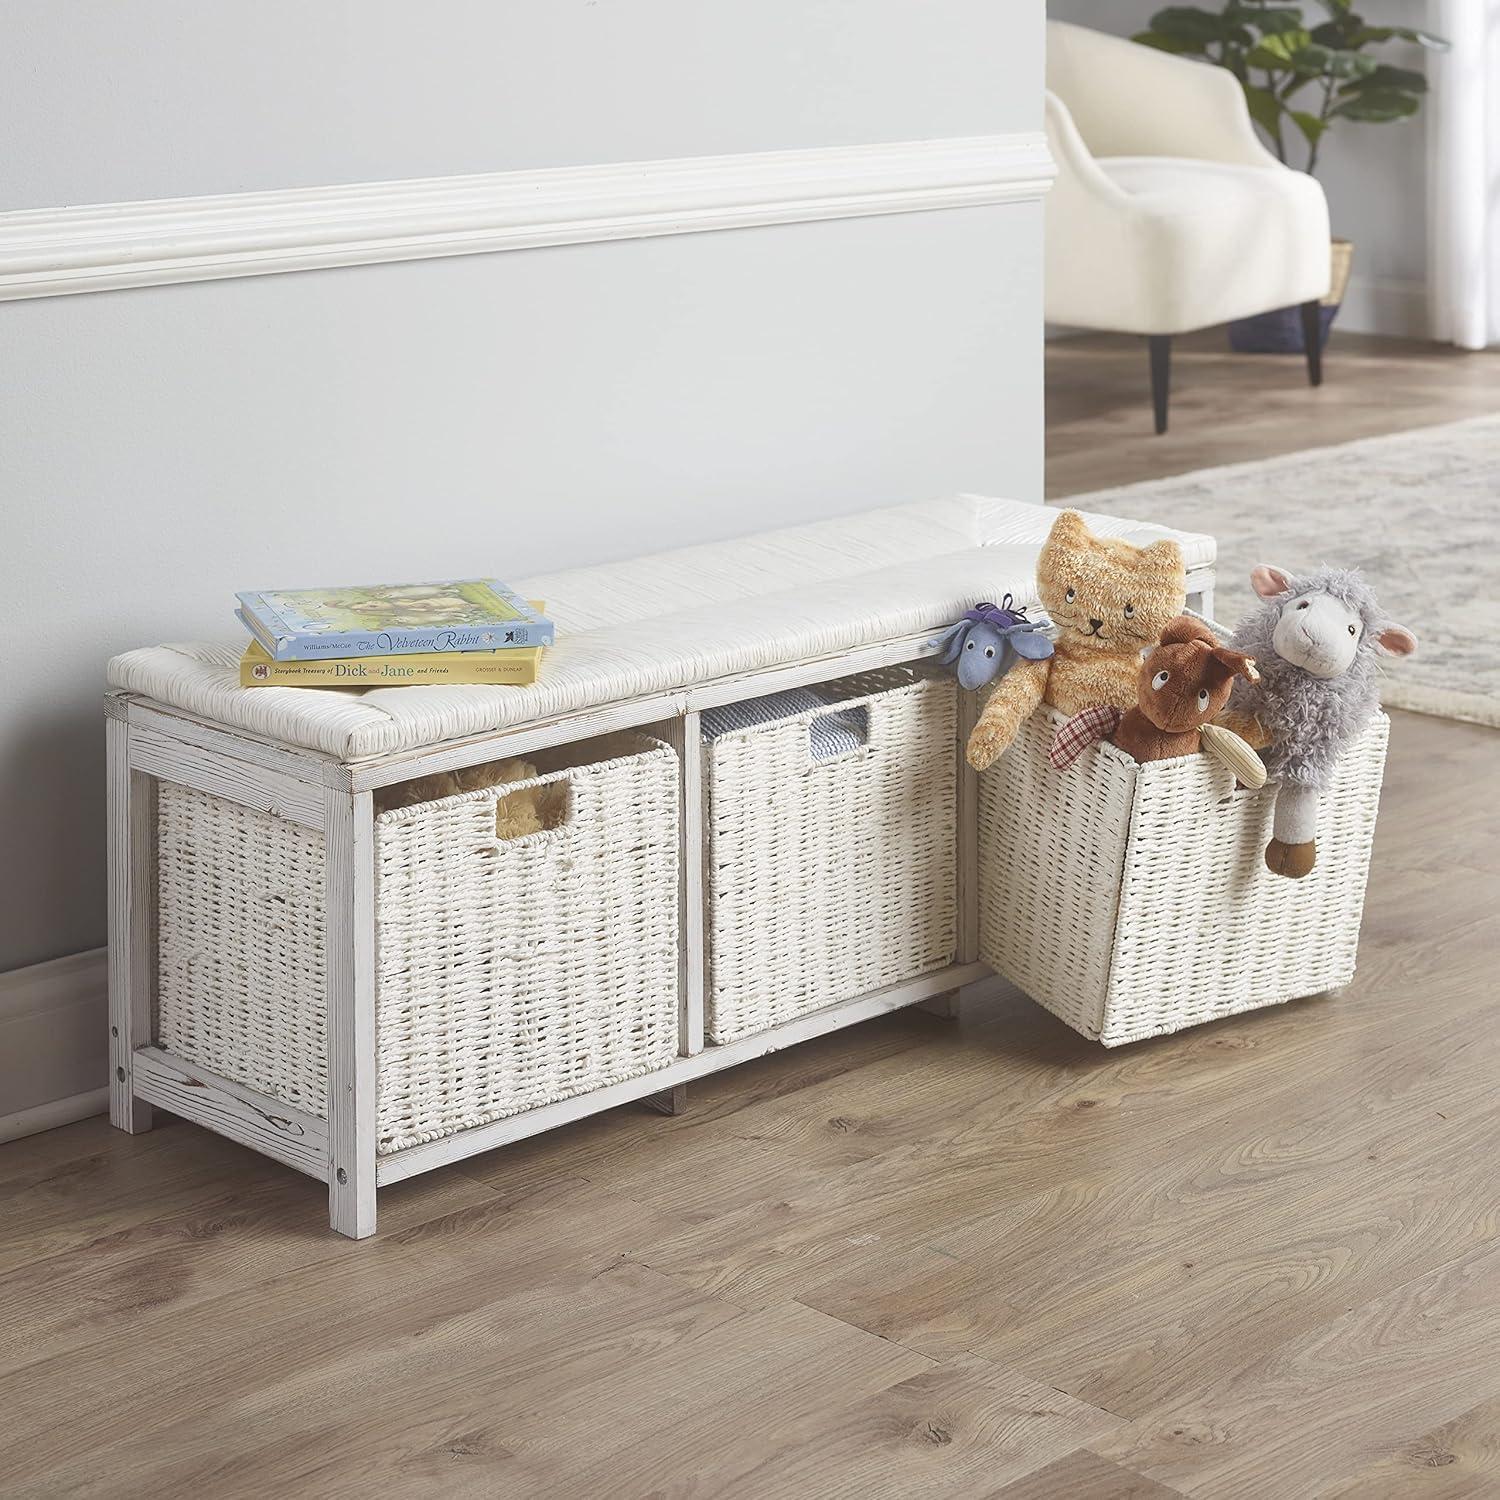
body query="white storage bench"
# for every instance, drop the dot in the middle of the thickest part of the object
(365, 995)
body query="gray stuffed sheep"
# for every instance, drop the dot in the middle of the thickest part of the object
(1315, 641)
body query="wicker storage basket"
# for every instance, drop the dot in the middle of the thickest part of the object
(509, 974)
(1132, 899)
(830, 878)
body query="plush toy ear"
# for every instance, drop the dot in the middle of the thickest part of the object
(1031, 644)
(1165, 557)
(1395, 640)
(1269, 582)
(1236, 663)
(1070, 527)
(1186, 628)
(950, 643)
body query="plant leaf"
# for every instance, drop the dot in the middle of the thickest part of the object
(1429, 39)
(1268, 62)
(1270, 22)
(1334, 34)
(1378, 106)
(1310, 125)
(1330, 62)
(1386, 77)
(1282, 47)
(1265, 108)
(1188, 23)
(1173, 44)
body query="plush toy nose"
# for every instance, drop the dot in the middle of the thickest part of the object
(1096, 624)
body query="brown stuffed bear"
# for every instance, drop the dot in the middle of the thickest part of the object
(1182, 684)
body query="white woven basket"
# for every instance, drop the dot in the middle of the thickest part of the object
(831, 878)
(1132, 900)
(509, 974)
(240, 945)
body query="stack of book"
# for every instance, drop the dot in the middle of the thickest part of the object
(472, 630)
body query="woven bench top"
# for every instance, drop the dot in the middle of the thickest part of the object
(664, 621)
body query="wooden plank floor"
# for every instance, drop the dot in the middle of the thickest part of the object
(1230, 408)
(923, 1258)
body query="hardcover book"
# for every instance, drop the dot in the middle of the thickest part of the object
(392, 619)
(513, 667)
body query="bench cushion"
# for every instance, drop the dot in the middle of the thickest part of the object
(664, 621)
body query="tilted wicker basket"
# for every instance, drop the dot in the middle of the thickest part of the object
(1132, 900)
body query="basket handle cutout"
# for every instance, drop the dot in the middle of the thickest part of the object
(530, 810)
(836, 732)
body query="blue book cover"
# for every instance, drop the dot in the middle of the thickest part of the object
(392, 619)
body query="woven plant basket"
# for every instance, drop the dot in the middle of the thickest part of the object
(509, 973)
(831, 878)
(1280, 330)
(1132, 900)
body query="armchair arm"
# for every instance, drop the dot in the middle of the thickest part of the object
(1079, 176)
(1092, 236)
(1130, 100)
(1103, 251)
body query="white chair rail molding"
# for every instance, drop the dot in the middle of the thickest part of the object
(101, 247)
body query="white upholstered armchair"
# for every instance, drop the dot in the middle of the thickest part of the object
(1167, 213)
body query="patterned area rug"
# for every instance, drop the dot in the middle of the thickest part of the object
(1419, 511)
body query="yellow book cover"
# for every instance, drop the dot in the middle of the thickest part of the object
(515, 666)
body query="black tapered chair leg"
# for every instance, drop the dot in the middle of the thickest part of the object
(1161, 377)
(1312, 341)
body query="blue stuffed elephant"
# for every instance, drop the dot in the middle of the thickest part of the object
(988, 639)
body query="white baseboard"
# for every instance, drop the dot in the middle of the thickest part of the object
(48, 252)
(50, 1116)
(1390, 305)
(54, 1053)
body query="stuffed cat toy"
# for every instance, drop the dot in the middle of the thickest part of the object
(1108, 600)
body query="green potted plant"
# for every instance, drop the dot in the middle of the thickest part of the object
(1299, 81)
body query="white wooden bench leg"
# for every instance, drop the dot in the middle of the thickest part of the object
(349, 922)
(966, 870)
(684, 734)
(694, 885)
(131, 797)
(672, 1101)
(944, 1005)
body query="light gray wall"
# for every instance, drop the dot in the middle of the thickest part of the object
(1375, 175)
(105, 100)
(515, 412)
